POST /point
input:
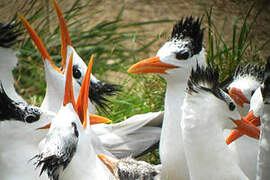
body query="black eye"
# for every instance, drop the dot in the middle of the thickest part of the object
(182, 55)
(75, 129)
(252, 92)
(231, 106)
(30, 118)
(76, 72)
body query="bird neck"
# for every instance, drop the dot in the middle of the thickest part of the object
(205, 148)
(171, 149)
(55, 88)
(8, 62)
(263, 162)
(173, 102)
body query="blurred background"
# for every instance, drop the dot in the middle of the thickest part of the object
(122, 32)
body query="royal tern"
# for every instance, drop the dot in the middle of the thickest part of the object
(259, 112)
(66, 151)
(207, 154)
(174, 61)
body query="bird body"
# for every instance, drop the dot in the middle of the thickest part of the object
(19, 140)
(260, 107)
(207, 154)
(171, 131)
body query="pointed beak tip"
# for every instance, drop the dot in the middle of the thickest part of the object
(237, 95)
(247, 128)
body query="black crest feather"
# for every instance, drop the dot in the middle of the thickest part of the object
(206, 79)
(249, 70)
(99, 91)
(203, 78)
(9, 34)
(189, 28)
(11, 110)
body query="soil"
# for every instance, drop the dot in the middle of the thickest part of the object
(148, 10)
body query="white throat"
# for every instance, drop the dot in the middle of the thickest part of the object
(171, 143)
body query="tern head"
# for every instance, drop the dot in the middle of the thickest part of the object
(203, 88)
(258, 104)
(181, 52)
(129, 168)
(98, 90)
(66, 129)
(246, 80)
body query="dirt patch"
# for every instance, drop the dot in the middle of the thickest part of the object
(147, 10)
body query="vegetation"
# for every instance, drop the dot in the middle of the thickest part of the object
(116, 46)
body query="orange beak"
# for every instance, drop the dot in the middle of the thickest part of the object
(65, 38)
(151, 65)
(238, 96)
(45, 127)
(69, 95)
(109, 162)
(235, 134)
(95, 119)
(82, 102)
(39, 44)
(252, 118)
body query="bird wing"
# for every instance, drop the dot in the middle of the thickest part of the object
(132, 137)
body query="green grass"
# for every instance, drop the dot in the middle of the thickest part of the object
(110, 41)
(117, 43)
(241, 49)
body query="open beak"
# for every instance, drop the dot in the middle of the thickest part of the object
(95, 119)
(82, 102)
(65, 38)
(243, 128)
(151, 65)
(109, 162)
(39, 44)
(235, 134)
(238, 96)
